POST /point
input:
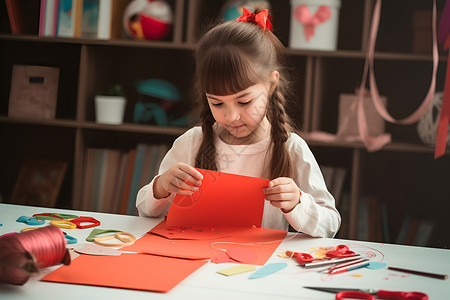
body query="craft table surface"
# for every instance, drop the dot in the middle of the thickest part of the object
(205, 283)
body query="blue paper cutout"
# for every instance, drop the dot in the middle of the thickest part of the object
(268, 269)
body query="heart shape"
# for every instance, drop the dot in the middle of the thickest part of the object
(303, 16)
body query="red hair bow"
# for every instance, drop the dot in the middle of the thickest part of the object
(261, 18)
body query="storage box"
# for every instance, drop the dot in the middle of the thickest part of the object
(348, 115)
(33, 92)
(314, 24)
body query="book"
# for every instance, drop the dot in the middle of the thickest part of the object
(110, 19)
(111, 168)
(96, 179)
(88, 178)
(42, 18)
(120, 182)
(424, 232)
(39, 182)
(89, 26)
(34, 91)
(404, 229)
(362, 233)
(137, 171)
(334, 179)
(70, 18)
(127, 182)
(23, 16)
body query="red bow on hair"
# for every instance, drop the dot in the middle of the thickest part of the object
(261, 18)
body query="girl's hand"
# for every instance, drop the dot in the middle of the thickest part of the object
(283, 193)
(180, 179)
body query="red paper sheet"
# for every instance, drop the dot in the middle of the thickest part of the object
(222, 199)
(262, 241)
(129, 271)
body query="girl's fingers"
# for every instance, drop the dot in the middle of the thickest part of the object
(190, 174)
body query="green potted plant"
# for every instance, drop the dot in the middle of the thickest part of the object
(110, 105)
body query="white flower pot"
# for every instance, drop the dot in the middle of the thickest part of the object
(109, 109)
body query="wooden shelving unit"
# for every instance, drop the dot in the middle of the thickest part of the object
(87, 65)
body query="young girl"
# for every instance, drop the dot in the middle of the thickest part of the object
(245, 130)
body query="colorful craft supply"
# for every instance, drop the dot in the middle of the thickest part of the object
(121, 236)
(6, 234)
(96, 232)
(22, 254)
(29, 228)
(70, 239)
(352, 267)
(222, 199)
(267, 270)
(93, 249)
(54, 216)
(421, 273)
(29, 220)
(237, 270)
(374, 265)
(94, 222)
(124, 271)
(341, 251)
(369, 294)
(329, 261)
(63, 224)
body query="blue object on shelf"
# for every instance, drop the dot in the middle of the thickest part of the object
(160, 89)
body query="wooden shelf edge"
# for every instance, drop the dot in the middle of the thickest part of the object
(124, 127)
(395, 146)
(99, 42)
(359, 54)
(362, 55)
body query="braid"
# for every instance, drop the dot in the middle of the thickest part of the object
(206, 155)
(281, 162)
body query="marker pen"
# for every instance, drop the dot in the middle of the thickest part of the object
(349, 268)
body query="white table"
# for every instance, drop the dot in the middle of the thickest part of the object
(205, 283)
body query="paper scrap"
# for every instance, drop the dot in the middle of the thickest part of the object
(237, 270)
(93, 249)
(268, 269)
(222, 199)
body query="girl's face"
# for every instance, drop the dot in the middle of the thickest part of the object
(243, 114)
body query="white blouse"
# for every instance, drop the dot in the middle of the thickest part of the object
(315, 215)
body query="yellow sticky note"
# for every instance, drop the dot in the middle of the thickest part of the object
(237, 270)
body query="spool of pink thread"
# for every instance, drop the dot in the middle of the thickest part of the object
(23, 254)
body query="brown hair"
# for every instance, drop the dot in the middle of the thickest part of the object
(230, 58)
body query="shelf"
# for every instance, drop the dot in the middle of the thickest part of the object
(395, 146)
(362, 55)
(125, 127)
(85, 41)
(188, 46)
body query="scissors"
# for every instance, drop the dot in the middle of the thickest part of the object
(370, 294)
(300, 256)
(341, 251)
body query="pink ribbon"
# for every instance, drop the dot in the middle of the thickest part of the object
(302, 15)
(444, 118)
(376, 143)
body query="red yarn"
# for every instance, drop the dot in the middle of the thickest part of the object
(24, 253)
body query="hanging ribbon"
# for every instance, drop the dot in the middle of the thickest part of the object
(376, 143)
(302, 15)
(261, 18)
(444, 118)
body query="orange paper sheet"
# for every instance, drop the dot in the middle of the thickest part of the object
(262, 241)
(130, 271)
(222, 199)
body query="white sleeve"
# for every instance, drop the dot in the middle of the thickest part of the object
(316, 214)
(184, 149)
